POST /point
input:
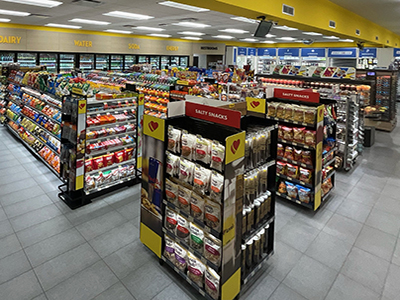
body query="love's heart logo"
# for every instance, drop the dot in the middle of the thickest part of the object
(235, 146)
(320, 113)
(82, 106)
(254, 104)
(153, 126)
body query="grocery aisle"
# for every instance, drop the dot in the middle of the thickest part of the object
(347, 250)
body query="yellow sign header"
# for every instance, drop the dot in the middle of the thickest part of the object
(87, 44)
(10, 39)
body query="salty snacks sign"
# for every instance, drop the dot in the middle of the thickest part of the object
(304, 96)
(214, 114)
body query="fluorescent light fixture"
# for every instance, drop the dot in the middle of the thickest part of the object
(270, 35)
(92, 22)
(311, 33)
(4, 20)
(332, 37)
(346, 40)
(191, 24)
(191, 33)
(243, 19)
(42, 3)
(287, 28)
(225, 37)
(286, 38)
(63, 26)
(14, 13)
(194, 38)
(118, 31)
(231, 30)
(249, 40)
(183, 6)
(126, 15)
(148, 28)
(268, 42)
(159, 35)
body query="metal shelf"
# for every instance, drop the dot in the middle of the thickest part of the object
(95, 101)
(329, 176)
(114, 166)
(293, 162)
(130, 133)
(295, 180)
(105, 111)
(296, 144)
(132, 121)
(109, 150)
(259, 228)
(257, 268)
(103, 187)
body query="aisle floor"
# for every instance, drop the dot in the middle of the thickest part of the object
(348, 250)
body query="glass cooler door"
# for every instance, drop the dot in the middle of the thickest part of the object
(49, 60)
(102, 62)
(117, 62)
(27, 59)
(86, 62)
(67, 62)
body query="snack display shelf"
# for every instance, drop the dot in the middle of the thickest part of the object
(33, 151)
(308, 205)
(188, 248)
(296, 144)
(40, 141)
(254, 232)
(108, 150)
(32, 93)
(328, 194)
(185, 277)
(328, 153)
(106, 186)
(114, 166)
(46, 130)
(328, 163)
(293, 162)
(191, 219)
(132, 121)
(104, 138)
(39, 112)
(294, 180)
(291, 122)
(39, 91)
(99, 101)
(329, 176)
(90, 113)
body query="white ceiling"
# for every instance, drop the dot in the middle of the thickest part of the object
(382, 12)
(163, 17)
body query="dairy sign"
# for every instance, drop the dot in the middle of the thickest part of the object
(10, 39)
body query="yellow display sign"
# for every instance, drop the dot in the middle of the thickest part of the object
(11, 39)
(235, 145)
(82, 107)
(79, 183)
(133, 46)
(172, 48)
(141, 99)
(182, 82)
(154, 127)
(87, 44)
(151, 239)
(320, 113)
(231, 288)
(256, 105)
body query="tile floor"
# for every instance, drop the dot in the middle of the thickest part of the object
(348, 250)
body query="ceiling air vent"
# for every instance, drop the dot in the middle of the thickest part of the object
(358, 31)
(288, 10)
(332, 24)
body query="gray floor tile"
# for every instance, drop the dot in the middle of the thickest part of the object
(9, 245)
(23, 287)
(367, 269)
(84, 285)
(392, 287)
(376, 242)
(115, 239)
(116, 292)
(9, 164)
(316, 219)
(281, 220)
(343, 228)
(42, 231)
(384, 221)
(287, 208)
(129, 259)
(388, 204)
(88, 212)
(45, 178)
(372, 183)
(297, 235)
(26, 206)
(391, 190)
(329, 250)
(173, 292)
(262, 289)
(123, 197)
(345, 288)
(3, 215)
(15, 186)
(344, 190)
(50, 186)
(147, 281)
(35, 217)
(13, 266)
(310, 278)
(100, 225)
(53, 246)
(70, 263)
(6, 178)
(13, 170)
(285, 293)
(354, 210)
(333, 203)
(21, 195)
(40, 297)
(131, 210)
(5, 229)
(396, 254)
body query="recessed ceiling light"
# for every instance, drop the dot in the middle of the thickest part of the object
(231, 30)
(148, 28)
(270, 35)
(286, 38)
(14, 13)
(159, 35)
(126, 15)
(194, 38)
(63, 26)
(268, 42)
(4, 20)
(191, 24)
(311, 33)
(332, 37)
(249, 40)
(243, 19)
(225, 37)
(92, 22)
(287, 28)
(191, 33)
(118, 31)
(346, 40)
(183, 6)
(42, 3)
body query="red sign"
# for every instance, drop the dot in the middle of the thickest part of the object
(214, 114)
(304, 96)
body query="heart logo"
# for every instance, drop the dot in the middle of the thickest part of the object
(153, 126)
(82, 106)
(254, 104)
(235, 146)
(321, 113)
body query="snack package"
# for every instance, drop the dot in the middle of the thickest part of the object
(212, 249)
(281, 150)
(282, 188)
(88, 165)
(309, 115)
(188, 145)
(298, 134)
(129, 154)
(292, 171)
(304, 194)
(119, 156)
(172, 164)
(186, 172)
(98, 163)
(169, 250)
(180, 257)
(89, 182)
(280, 110)
(217, 156)
(184, 199)
(171, 191)
(196, 238)
(182, 229)
(305, 175)
(271, 109)
(291, 190)
(217, 185)
(202, 177)
(306, 157)
(174, 138)
(108, 160)
(297, 154)
(212, 281)
(298, 114)
(289, 153)
(170, 219)
(195, 270)
(289, 112)
(288, 133)
(99, 179)
(280, 132)
(212, 216)
(197, 204)
(310, 137)
(203, 150)
(281, 168)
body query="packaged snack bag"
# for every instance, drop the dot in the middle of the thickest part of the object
(309, 115)
(203, 150)
(271, 109)
(298, 134)
(281, 168)
(171, 191)
(287, 133)
(212, 216)
(217, 156)
(180, 257)
(169, 250)
(305, 175)
(184, 199)
(304, 194)
(171, 219)
(188, 145)
(292, 171)
(186, 172)
(195, 269)
(289, 153)
(291, 190)
(174, 138)
(197, 204)
(182, 229)
(88, 165)
(281, 150)
(212, 249)
(196, 238)
(119, 156)
(202, 177)
(108, 160)
(217, 185)
(212, 281)
(310, 137)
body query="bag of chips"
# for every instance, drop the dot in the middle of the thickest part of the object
(298, 134)
(203, 149)
(217, 156)
(289, 112)
(170, 219)
(186, 172)
(217, 185)
(271, 109)
(297, 155)
(196, 238)
(180, 257)
(171, 191)
(305, 175)
(280, 110)
(212, 281)
(306, 157)
(197, 204)
(310, 137)
(188, 145)
(309, 115)
(298, 114)
(202, 177)
(184, 199)
(292, 171)
(280, 132)
(212, 249)
(304, 194)
(169, 250)
(212, 216)
(289, 153)
(174, 137)
(291, 190)
(280, 150)
(282, 188)
(281, 168)
(195, 269)
(287, 133)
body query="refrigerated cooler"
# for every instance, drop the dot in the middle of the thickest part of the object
(175, 61)
(165, 62)
(27, 60)
(142, 59)
(184, 61)
(86, 62)
(7, 57)
(129, 61)
(102, 62)
(67, 62)
(266, 60)
(49, 60)
(155, 62)
(117, 62)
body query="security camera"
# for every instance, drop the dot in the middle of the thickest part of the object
(360, 45)
(308, 42)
